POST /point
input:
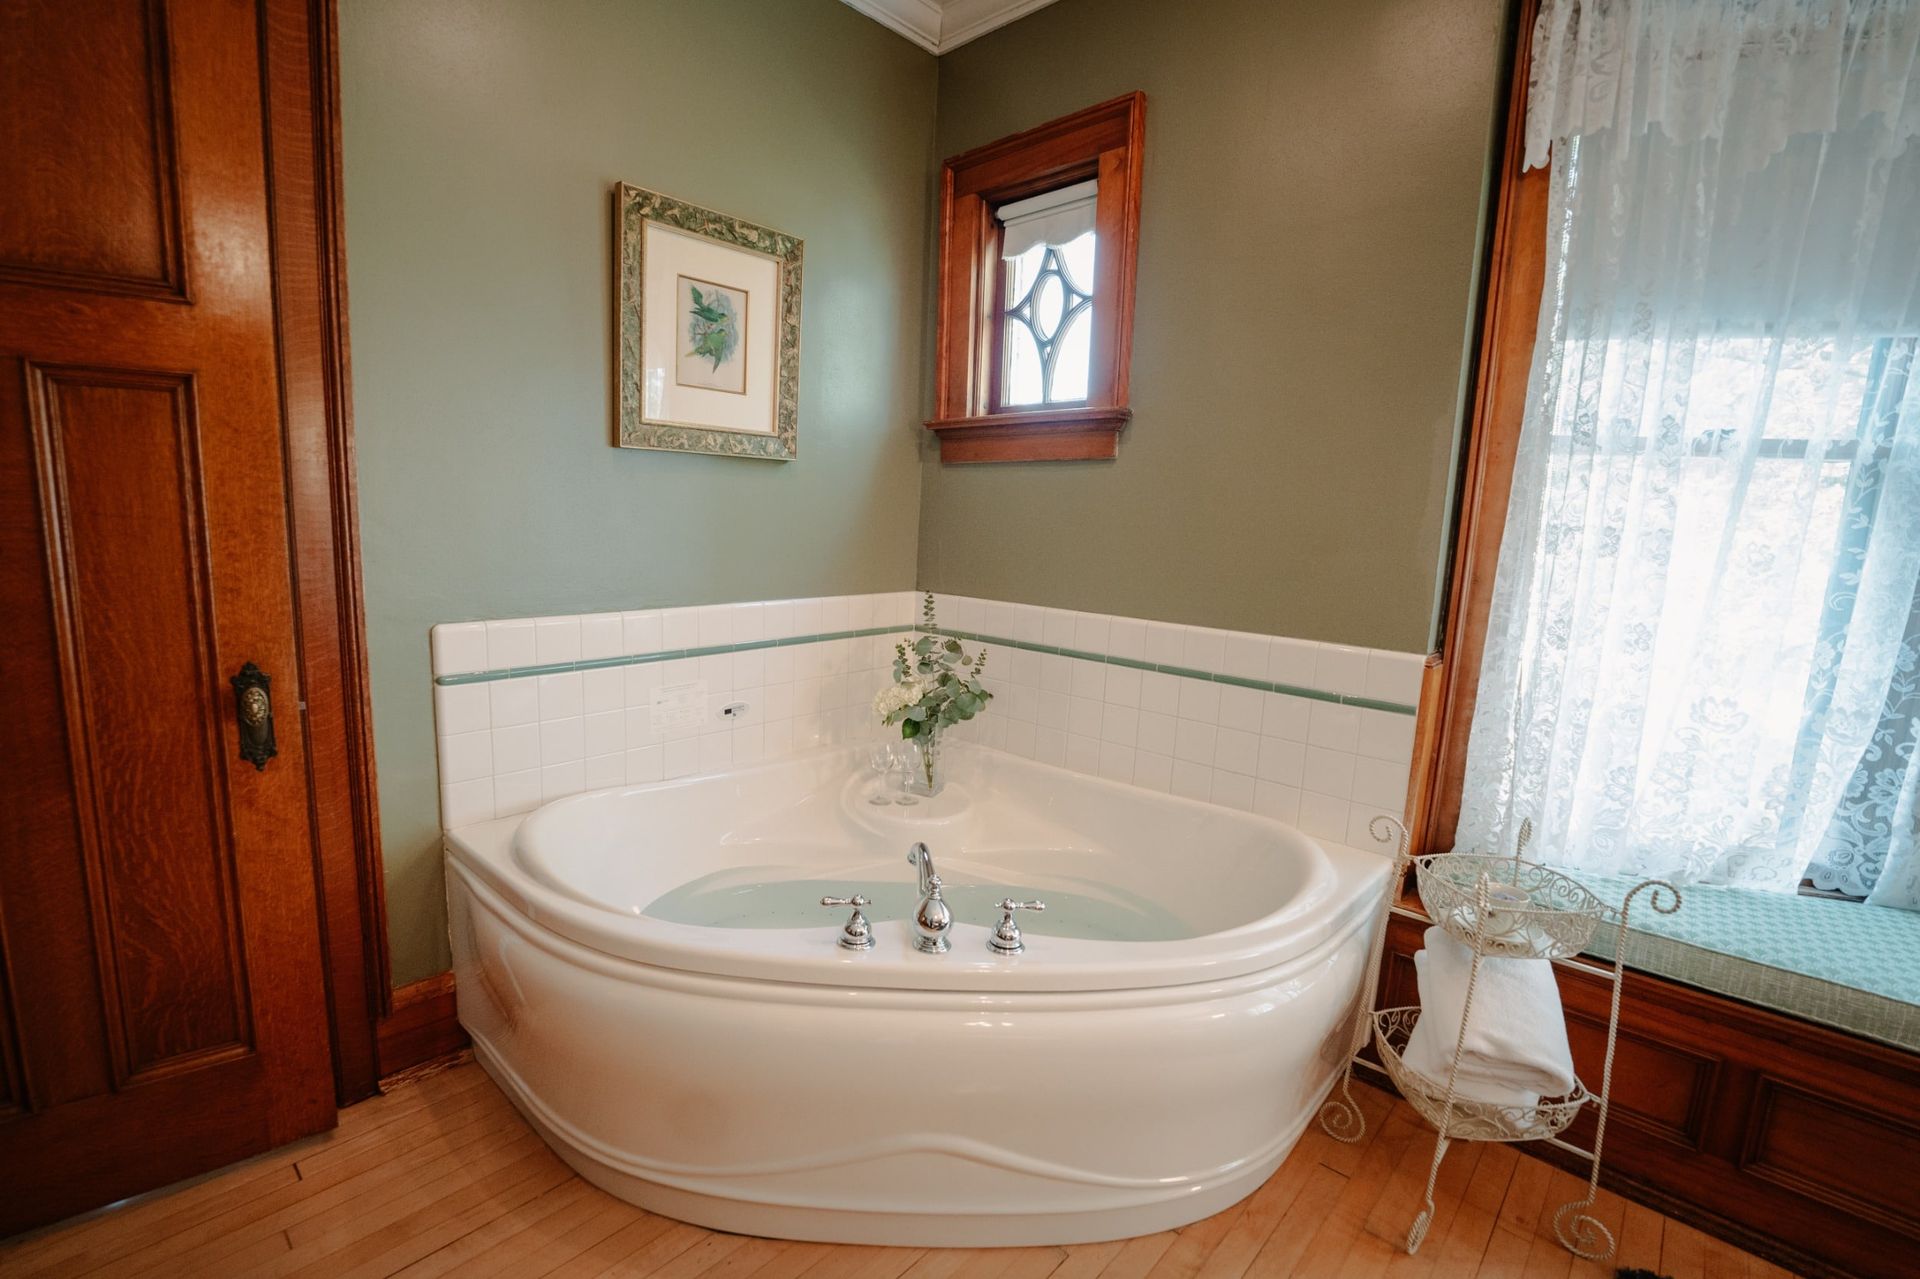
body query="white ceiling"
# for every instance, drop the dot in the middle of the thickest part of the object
(940, 25)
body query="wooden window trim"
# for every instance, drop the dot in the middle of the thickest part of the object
(1104, 142)
(1515, 277)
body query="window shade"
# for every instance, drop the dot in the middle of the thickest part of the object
(1052, 217)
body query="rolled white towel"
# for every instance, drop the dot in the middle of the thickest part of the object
(1515, 1051)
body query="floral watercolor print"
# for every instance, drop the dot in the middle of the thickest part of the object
(713, 347)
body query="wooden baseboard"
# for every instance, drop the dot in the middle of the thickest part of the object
(422, 1026)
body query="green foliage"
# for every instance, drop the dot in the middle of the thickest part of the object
(949, 681)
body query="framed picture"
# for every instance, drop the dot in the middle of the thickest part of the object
(709, 327)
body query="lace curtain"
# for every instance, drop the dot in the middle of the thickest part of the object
(1703, 659)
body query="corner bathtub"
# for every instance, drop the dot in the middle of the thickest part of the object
(647, 973)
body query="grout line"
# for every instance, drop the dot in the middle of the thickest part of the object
(1183, 672)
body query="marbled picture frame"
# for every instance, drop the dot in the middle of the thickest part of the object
(725, 377)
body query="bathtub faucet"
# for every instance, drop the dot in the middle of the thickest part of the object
(932, 920)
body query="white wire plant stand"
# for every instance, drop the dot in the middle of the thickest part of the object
(1498, 907)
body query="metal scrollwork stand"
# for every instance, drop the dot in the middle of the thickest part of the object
(1498, 907)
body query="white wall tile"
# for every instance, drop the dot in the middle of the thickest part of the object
(645, 764)
(1191, 780)
(1194, 741)
(1246, 655)
(557, 781)
(461, 708)
(1123, 686)
(605, 770)
(1200, 700)
(1156, 732)
(1383, 735)
(601, 636)
(1284, 715)
(1338, 668)
(1091, 633)
(1029, 624)
(562, 695)
(1083, 753)
(1116, 762)
(1232, 790)
(1236, 752)
(516, 792)
(1282, 761)
(1050, 746)
(640, 633)
(712, 626)
(466, 802)
(1323, 816)
(1334, 727)
(1120, 725)
(1058, 627)
(1084, 716)
(1160, 692)
(1291, 662)
(556, 639)
(750, 623)
(1206, 649)
(1152, 770)
(1166, 644)
(1127, 637)
(510, 644)
(514, 701)
(562, 741)
(679, 628)
(1271, 799)
(682, 757)
(466, 757)
(458, 648)
(1380, 784)
(1089, 679)
(1241, 708)
(1330, 772)
(1019, 738)
(604, 734)
(603, 688)
(516, 748)
(1394, 677)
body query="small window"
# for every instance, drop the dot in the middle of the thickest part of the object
(1047, 254)
(1036, 290)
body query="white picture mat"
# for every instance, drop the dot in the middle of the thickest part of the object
(670, 254)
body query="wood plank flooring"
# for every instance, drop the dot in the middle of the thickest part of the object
(441, 1177)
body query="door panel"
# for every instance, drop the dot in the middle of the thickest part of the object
(87, 84)
(160, 965)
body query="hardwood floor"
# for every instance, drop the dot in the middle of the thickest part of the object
(441, 1177)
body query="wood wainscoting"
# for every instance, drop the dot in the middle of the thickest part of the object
(1797, 1142)
(424, 1025)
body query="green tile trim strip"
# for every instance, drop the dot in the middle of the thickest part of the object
(673, 654)
(997, 641)
(1188, 672)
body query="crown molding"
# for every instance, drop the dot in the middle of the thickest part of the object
(940, 25)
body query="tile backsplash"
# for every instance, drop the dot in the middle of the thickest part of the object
(532, 709)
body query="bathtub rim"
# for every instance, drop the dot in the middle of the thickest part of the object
(484, 852)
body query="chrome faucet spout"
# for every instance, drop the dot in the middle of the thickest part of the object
(919, 856)
(932, 919)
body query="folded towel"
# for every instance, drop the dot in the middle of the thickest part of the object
(1515, 1051)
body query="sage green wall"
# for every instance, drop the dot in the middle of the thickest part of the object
(1310, 226)
(481, 138)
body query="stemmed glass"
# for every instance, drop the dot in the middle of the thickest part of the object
(881, 759)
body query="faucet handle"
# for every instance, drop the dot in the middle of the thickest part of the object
(1005, 938)
(857, 934)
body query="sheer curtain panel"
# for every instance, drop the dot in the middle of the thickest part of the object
(1703, 659)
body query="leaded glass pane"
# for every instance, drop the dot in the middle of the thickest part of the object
(1046, 335)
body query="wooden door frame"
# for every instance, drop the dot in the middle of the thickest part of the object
(300, 87)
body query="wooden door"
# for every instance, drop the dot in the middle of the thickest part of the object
(162, 1004)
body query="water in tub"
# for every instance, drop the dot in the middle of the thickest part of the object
(766, 896)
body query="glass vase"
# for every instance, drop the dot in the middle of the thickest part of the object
(924, 773)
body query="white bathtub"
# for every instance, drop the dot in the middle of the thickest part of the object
(1175, 1020)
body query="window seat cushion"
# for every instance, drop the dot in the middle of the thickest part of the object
(1843, 964)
